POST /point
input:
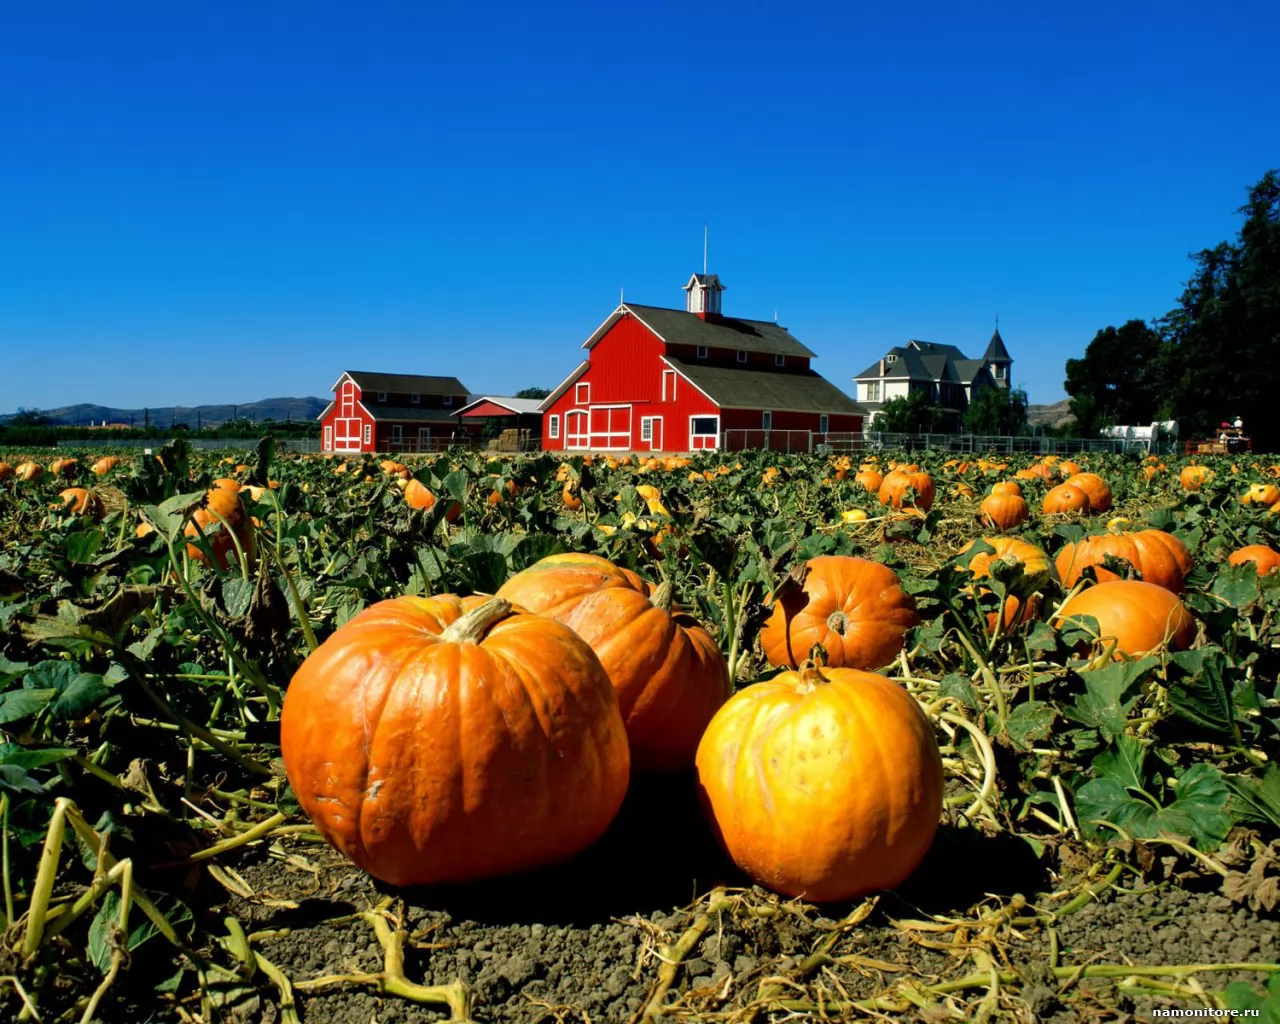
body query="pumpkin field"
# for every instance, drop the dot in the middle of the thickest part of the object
(742, 737)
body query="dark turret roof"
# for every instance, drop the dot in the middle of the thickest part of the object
(996, 352)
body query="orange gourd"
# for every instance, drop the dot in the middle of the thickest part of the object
(668, 671)
(105, 465)
(1266, 559)
(1261, 494)
(445, 739)
(1003, 511)
(1134, 617)
(1007, 487)
(1065, 498)
(418, 495)
(855, 608)
(869, 479)
(893, 489)
(1159, 557)
(1193, 478)
(1034, 563)
(28, 471)
(1095, 487)
(219, 517)
(1068, 469)
(81, 502)
(822, 784)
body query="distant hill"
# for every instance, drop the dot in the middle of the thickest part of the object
(85, 415)
(1049, 415)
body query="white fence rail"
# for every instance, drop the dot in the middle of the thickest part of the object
(292, 444)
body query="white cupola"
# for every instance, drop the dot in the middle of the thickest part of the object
(702, 295)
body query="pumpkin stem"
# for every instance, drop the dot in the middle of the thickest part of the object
(811, 677)
(838, 622)
(662, 597)
(471, 627)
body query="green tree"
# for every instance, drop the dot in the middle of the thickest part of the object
(532, 393)
(994, 411)
(1119, 378)
(914, 414)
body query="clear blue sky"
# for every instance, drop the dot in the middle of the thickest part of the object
(216, 203)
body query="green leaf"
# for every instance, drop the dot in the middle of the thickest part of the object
(81, 547)
(957, 685)
(1237, 585)
(105, 924)
(1124, 766)
(237, 593)
(16, 779)
(1198, 812)
(1029, 723)
(1256, 800)
(84, 693)
(1240, 995)
(20, 704)
(1200, 694)
(32, 757)
(1107, 698)
(456, 485)
(1043, 637)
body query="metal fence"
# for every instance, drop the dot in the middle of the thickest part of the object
(975, 443)
(789, 441)
(292, 444)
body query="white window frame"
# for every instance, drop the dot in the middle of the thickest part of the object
(581, 439)
(582, 393)
(824, 424)
(553, 426)
(646, 429)
(382, 396)
(655, 431)
(779, 359)
(873, 391)
(610, 439)
(669, 392)
(999, 372)
(693, 444)
(766, 420)
(347, 403)
(328, 438)
(702, 351)
(891, 358)
(415, 399)
(368, 434)
(424, 438)
(397, 433)
(448, 399)
(742, 355)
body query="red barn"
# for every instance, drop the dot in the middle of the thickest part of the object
(673, 380)
(391, 412)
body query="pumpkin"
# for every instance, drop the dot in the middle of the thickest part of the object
(893, 489)
(854, 515)
(1160, 557)
(963, 490)
(1036, 472)
(855, 608)
(105, 465)
(81, 502)
(571, 500)
(64, 467)
(1095, 487)
(1264, 558)
(1065, 498)
(1003, 511)
(668, 671)
(446, 739)
(1068, 469)
(1193, 478)
(29, 471)
(822, 784)
(869, 479)
(1007, 487)
(1035, 566)
(1134, 617)
(417, 495)
(1261, 494)
(221, 510)
(6, 471)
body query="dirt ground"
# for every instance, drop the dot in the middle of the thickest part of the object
(581, 943)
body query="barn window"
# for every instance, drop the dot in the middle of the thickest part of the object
(553, 426)
(415, 399)
(702, 351)
(742, 356)
(824, 424)
(368, 434)
(873, 391)
(779, 360)
(646, 428)
(382, 396)
(668, 385)
(397, 434)
(766, 420)
(704, 425)
(328, 439)
(582, 393)
(448, 399)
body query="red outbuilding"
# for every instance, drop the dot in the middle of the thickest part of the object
(392, 412)
(673, 380)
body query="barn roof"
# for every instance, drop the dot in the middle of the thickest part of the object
(408, 413)
(405, 383)
(518, 406)
(678, 327)
(563, 386)
(733, 388)
(325, 411)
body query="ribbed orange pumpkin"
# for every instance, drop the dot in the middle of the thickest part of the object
(29, 471)
(1006, 487)
(822, 784)
(64, 467)
(1261, 494)
(855, 608)
(225, 503)
(869, 480)
(1193, 478)
(1160, 557)
(1094, 486)
(893, 489)
(1034, 562)
(668, 671)
(1003, 511)
(81, 501)
(418, 495)
(106, 464)
(1134, 617)
(1064, 498)
(447, 739)
(1265, 558)
(1036, 472)
(1068, 469)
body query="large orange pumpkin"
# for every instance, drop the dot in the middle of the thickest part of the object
(1193, 478)
(418, 495)
(1134, 617)
(1034, 563)
(855, 608)
(448, 739)
(893, 489)
(668, 671)
(1160, 557)
(823, 784)
(1266, 559)
(1094, 486)
(869, 479)
(1068, 469)
(1003, 511)
(221, 510)
(1064, 498)
(1007, 487)
(1261, 494)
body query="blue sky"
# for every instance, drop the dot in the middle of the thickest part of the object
(216, 203)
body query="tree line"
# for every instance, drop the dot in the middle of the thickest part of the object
(1215, 356)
